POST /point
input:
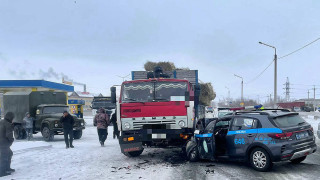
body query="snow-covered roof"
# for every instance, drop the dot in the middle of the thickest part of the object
(83, 94)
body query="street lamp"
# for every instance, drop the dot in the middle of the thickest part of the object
(242, 103)
(275, 72)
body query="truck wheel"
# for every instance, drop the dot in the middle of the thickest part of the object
(260, 160)
(298, 160)
(193, 155)
(134, 153)
(18, 134)
(77, 134)
(47, 134)
(24, 134)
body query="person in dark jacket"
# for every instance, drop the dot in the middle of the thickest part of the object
(115, 125)
(6, 140)
(28, 123)
(67, 122)
(101, 120)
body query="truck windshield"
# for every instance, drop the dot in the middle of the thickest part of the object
(55, 109)
(103, 104)
(152, 91)
(288, 121)
(164, 90)
(138, 92)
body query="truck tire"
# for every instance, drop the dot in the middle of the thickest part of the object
(24, 134)
(19, 132)
(47, 134)
(133, 153)
(77, 134)
(298, 160)
(260, 160)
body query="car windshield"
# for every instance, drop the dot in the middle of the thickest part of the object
(55, 109)
(288, 121)
(103, 104)
(221, 114)
(153, 91)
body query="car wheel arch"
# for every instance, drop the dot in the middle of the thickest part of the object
(258, 145)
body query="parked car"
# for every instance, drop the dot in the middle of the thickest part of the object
(260, 137)
(209, 109)
(296, 109)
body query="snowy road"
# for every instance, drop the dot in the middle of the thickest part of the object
(41, 160)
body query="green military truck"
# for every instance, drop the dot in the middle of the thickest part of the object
(45, 107)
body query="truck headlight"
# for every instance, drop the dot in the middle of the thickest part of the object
(182, 123)
(56, 125)
(126, 125)
(81, 123)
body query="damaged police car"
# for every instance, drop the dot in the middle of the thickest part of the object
(259, 137)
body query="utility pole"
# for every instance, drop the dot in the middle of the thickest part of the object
(287, 89)
(270, 99)
(275, 72)
(228, 93)
(314, 97)
(242, 103)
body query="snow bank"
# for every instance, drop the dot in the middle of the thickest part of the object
(314, 123)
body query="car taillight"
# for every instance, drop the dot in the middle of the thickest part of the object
(311, 130)
(281, 135)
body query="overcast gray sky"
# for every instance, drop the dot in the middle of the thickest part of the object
(94, 41)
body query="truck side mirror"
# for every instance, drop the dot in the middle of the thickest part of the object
(113, 95)
(187, 96)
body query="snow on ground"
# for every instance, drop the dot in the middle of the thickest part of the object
(50, 160)
(313, 118)
(23, 146)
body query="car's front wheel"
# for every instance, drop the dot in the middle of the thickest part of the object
(133, 153)
(298, 160)
(260, 160)
(193, 155)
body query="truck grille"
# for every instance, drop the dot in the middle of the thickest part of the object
(139, 124)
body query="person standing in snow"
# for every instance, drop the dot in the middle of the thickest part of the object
(28, 121)
(101, 120)
(6, 140)
(115, 125)
(67, 122)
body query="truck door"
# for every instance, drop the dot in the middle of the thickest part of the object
(242, 132)
(207, 141)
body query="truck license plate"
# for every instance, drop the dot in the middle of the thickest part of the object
(302, 135)
(159, 136)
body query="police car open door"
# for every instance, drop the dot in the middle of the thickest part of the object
(206, 141)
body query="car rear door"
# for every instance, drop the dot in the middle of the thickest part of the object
(243, 131)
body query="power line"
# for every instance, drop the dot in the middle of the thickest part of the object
(281, 58)
(260, 73)
(300, 48)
